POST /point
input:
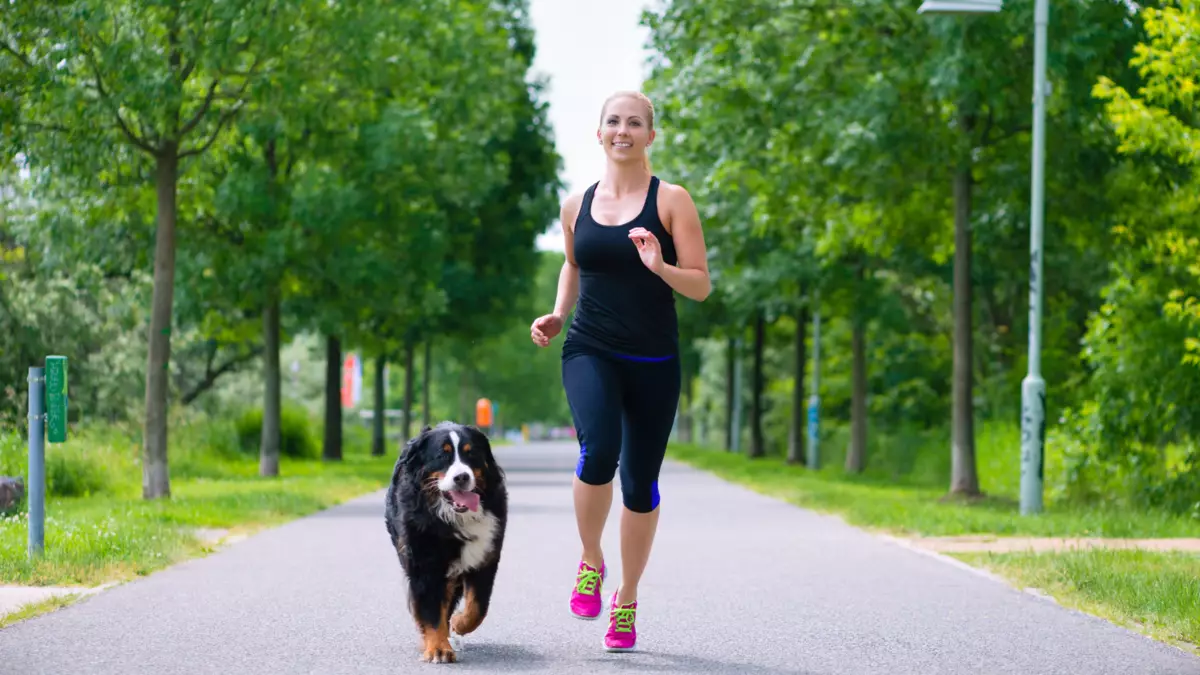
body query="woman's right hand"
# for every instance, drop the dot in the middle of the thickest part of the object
(544, 329)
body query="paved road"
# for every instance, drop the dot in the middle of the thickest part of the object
(739, 584)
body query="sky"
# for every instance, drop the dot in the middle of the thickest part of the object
(588, 49)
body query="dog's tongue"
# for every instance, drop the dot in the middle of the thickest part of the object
(467, 499)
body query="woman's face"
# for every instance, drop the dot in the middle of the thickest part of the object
(625, 129)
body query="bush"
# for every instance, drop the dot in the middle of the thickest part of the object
(78, 468)
(295, 433)
(70, 474)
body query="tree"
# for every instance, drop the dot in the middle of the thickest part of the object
(166, 80)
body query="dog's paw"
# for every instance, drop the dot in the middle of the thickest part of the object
(439, 649)
(439, 653)
(456, 642)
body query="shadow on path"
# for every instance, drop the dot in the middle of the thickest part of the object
(664, 662)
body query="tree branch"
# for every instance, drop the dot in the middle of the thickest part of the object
(133, 138)
(211, 376)
(1008, 133)
(225, 117)
(208, 99)
(35, 126)
(20, 57)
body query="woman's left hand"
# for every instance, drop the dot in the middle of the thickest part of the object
(648, 248)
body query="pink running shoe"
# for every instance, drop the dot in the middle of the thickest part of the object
(585, 597)
(621, 635)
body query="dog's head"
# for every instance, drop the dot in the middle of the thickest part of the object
(454, 468)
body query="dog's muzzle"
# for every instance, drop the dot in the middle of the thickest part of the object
(459, 490)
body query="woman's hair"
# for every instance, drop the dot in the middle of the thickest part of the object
(645, 101)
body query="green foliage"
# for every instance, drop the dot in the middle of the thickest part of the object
(380, 170)
(296, 436)
(837, 178)
(1132, 438)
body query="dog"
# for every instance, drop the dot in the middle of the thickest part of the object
(446, 513)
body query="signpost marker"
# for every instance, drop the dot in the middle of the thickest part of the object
(47, 421)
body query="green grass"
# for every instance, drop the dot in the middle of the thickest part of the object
(1157, 593)
(903, 489)
(99, 529)
(33, 609)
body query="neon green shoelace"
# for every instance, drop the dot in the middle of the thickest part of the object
(586, 583)
(622, 618)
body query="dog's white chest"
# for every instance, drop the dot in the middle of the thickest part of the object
(475, 550)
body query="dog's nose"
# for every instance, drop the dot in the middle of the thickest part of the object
(462, 480)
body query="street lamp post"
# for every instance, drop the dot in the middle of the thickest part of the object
(1033, 387)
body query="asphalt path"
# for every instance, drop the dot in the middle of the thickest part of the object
(738, 583)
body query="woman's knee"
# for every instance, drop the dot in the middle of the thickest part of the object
(596, 466)
(640, 495)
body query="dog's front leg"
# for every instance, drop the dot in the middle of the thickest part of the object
(478, 595)
(431, 605)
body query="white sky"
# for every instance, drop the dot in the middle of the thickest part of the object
(588, 48)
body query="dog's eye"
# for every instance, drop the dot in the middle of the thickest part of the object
(466, 447)
(446, 447)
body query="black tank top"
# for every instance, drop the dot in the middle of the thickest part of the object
(623, 308)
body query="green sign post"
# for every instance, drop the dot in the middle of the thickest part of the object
(47, 418)
(56, 399)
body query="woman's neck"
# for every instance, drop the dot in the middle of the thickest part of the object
(623, 179)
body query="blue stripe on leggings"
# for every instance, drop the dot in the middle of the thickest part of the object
(650, 359)
(654, 496)
(582, 455)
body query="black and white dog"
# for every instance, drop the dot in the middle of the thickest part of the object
(446, 511)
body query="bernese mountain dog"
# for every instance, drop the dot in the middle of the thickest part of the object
(446, 511)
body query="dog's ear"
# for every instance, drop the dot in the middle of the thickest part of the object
(412, 447)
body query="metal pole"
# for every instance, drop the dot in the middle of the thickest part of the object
(814, 401)
(1033, 388)
(37, 462)
(736, 422)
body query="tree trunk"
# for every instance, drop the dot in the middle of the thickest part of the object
(332, 448)
(268, 453)
(856, 458)
(155, 476)
(466, 411)
(408, 390)
(426, 414)
(757, 448)
(963, 478)
(796, 449)
(730, 358)
(379, 423)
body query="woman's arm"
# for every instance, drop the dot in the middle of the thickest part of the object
(568, 277)
(689, 276)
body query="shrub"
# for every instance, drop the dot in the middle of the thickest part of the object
(79, 468)
(73, 474)
(295, 432)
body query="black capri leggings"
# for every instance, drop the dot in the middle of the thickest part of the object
(624, 408)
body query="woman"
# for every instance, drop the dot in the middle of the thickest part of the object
(632, 241)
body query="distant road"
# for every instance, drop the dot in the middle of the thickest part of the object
(739, 583)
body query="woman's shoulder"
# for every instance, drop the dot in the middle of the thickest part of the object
(569, 210)
(672, 198)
